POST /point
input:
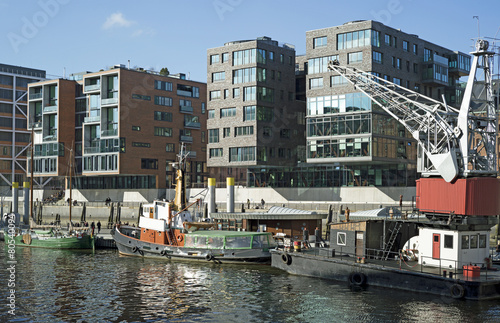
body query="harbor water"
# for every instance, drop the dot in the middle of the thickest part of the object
(81, 286)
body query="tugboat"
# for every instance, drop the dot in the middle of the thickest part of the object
(167, 230)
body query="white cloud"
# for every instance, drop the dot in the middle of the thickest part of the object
(144, 32)
(116, 20)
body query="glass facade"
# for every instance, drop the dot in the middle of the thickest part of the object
(359, 38)
(338, 104)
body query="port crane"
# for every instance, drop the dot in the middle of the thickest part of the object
(453, 143)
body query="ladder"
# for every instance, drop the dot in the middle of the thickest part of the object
(171, 237)
(392, 239)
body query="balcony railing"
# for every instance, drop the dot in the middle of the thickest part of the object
(186, 108)
(35, 96)
(109, 101)
(50, 137)
(93, 87)
(92, 150)
(50, 108)
(190, 124)
(37, 124)
(186, 139)
(92, 119)
(109, 133)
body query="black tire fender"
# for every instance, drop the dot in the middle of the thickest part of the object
(357, 279)
(286, 258)
(135, 249)
(209, 257)
(457, 291)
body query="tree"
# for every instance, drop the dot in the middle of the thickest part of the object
(164, 71)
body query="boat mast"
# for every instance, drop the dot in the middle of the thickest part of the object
(31, 171)
(70, 175)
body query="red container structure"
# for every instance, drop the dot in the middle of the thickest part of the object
(472, 271)
(478, 196)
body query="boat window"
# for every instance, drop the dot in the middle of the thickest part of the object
(216, 242)
(260, 242)
(482, 241)
(189, 241)
(237, 242)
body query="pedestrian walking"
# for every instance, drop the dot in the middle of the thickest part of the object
(262, 203)
(248, 203)
(98, 226)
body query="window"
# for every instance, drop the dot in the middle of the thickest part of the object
(161, 85)
(149, 163)
(405, 45)
(465, 242)
(473, 241)
(261, 56)
(214, 59)
(282, 59)
(319, 42)
(236, 92)
(245, 75)
(218, 76)
(141, 97)
(141, 144)
(188, 90)
(265, 94)
(356, 57)
(211, 114)
(271, 56)
(203, 108)
(215, 152)
(316, 83)
(388, 40)
(225, 57)
(354, 39)
(375, 38)
(136, 128)
(427, 55)
(163, 100)
(267, 132)
(341, 238)
(338, 80)
(243, 57)
(249, 113)
(213, 136)
(398, 63)
(415, 68)
(239, 154)
(214, 95)
(482, 241)
(227, 112)
(415, 49)
(249, 93)
(226, 94)
(377, 57)
(226, 132)
(448, 241)
(163, 116)
(243, 131)
(320, 64)
(163, 132)
(396, 80)
(169, 148)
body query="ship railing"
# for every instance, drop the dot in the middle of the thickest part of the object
(451, 268)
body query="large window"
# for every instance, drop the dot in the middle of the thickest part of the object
(161, 85)
(149, 163)
(320, 64)
(188, 90)
(448, 241)
(214, 95)
(377, 57)
(214, 59)
(249, 113)
(405, 45)
(316, 83)
(243, 57)
(213, 136)
(338, 103)
(338, 80)
(218, 76)
(243, 131)
(265, 94)
(319, 42)
(163, 116)
(215, 152)
(354, 39)
(356, 57)
(163, 100)
(249, 93)
(244, 75)
(163, 132)
(239, 154)
(227, 112)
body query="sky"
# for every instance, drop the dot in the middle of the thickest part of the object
(71, 36)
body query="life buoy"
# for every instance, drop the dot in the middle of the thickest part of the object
(457, 291)
(209, 257)
(180, 237)
(357, 279)
(135, 249)
(286, 258)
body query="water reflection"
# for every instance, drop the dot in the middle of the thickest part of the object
(78, 286)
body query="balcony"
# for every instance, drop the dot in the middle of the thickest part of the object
(109, 133)
(186, 109)
(36, 125)
(186, 139)
(92, 150)
(50, 109)
(52, 137)
(192, 125)
(109, 101)
(93, 119)
(35, 96)
(92, 88)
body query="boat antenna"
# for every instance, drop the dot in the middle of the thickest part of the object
(478, 33)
